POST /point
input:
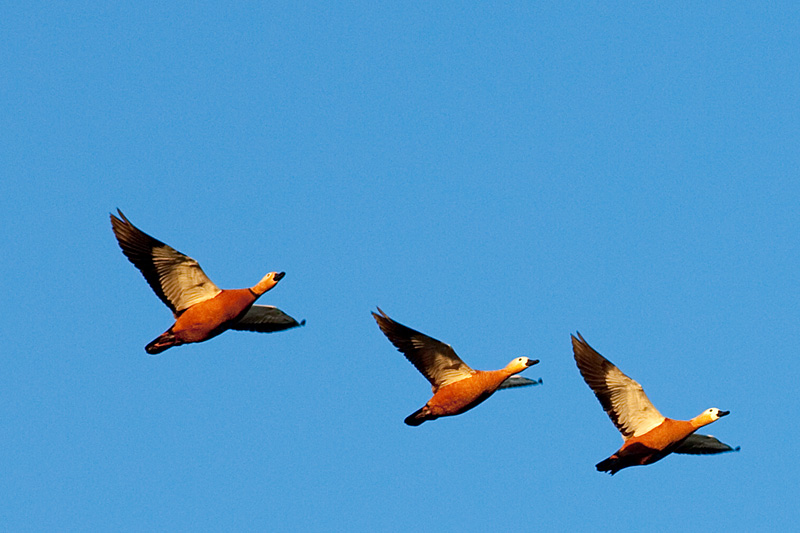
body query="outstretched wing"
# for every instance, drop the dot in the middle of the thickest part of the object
(622, 398)
(434, 359)
(518, 381)
(696, 444)
(265, 319)
(175, 278)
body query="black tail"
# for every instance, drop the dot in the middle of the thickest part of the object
(418, 417)
(161, 343)
(612, 465)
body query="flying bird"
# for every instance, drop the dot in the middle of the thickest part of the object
(201, 309)
(456, 387)
(648, 435)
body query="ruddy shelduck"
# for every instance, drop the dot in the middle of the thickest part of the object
(648, 435)
(201, 309)
(456, 387)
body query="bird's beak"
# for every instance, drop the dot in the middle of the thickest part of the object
(531, 362)
(278, 276)
(723, 413)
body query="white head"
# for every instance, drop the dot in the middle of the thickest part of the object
(715, 414)
(520, 363)
(709, 415)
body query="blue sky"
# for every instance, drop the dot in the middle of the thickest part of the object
(497, 177)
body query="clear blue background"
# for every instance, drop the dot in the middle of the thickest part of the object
(495, 176)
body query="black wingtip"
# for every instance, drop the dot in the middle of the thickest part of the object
(303, 322)
(121, 216)
(578, 337)
(380, 317)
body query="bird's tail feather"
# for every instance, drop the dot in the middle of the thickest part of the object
(418, 417)
(161, 343)
(611, 465)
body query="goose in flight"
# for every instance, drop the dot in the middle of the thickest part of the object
(456, 387)
(649, 436)
(201, 309)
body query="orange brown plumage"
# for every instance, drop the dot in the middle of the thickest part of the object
(201, 309)
(456, 387)
(649, 436)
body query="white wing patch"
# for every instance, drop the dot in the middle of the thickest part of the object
(183, 281)
(636, 415)
(448, 376)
